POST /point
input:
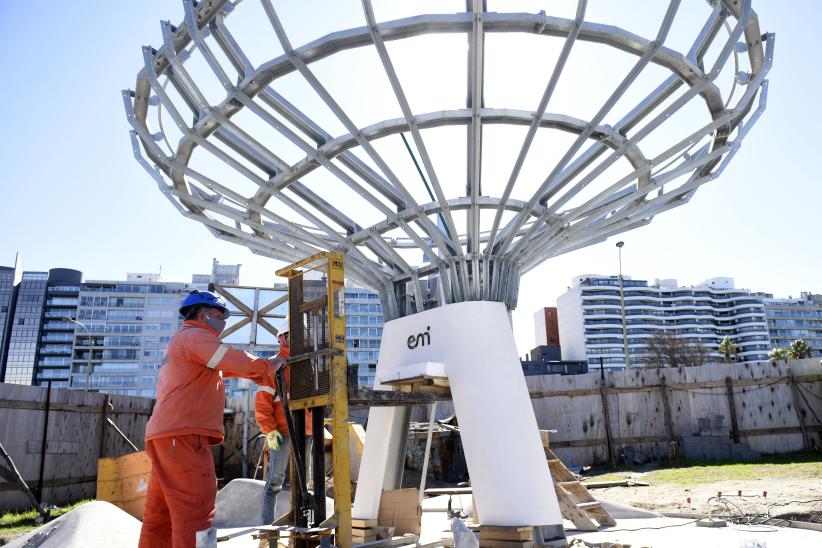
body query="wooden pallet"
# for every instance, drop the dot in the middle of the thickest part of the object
(575, 501)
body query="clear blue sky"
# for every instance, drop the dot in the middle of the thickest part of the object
(74, 197)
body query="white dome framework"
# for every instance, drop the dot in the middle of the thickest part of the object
(214, 144)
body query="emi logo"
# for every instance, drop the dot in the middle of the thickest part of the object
(420, 339)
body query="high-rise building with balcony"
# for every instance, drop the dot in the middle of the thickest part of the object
(37, 349)
(57, 334)
(590, 319)
(791, 319)
(125, 329)
(363, 330)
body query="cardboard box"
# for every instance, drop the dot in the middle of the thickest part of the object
(400, 508)
(123, 481)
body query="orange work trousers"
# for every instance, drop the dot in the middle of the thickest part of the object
(181, 492)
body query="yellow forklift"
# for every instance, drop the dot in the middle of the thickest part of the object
(318, 383)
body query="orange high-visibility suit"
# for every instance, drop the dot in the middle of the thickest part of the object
(269, 411)
(188, 419)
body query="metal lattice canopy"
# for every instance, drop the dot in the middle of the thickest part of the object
(392, 141)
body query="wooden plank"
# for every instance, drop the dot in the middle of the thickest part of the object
(606, 420)
(779, 431)
(362, 523)
(49, 483)
(491, 532)
(575, 515)
(33, 447)
(672, 386)
(365, 397)
(729, 388)
(30, 405)
(506, 543)
(435, 491)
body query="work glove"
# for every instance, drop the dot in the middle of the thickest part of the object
(274, 439)
(277, 363)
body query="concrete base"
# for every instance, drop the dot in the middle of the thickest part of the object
(239, 504)
(94, 525)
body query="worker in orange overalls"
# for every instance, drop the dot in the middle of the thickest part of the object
(188, 419)
(270, 416)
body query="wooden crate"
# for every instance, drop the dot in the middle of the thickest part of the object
(123, 481)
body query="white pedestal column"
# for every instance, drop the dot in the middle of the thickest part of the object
(474, 342)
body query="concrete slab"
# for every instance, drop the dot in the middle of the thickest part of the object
(94, 525)
(239, 503)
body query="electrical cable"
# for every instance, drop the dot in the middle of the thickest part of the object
(425, 182)
(808, 391)
(652, 528)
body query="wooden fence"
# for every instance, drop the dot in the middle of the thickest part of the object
(56, 436)
(773, 407)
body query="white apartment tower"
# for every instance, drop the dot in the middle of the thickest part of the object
(590, 318)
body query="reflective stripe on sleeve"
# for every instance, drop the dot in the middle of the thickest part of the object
(218, 355)
(269, 390)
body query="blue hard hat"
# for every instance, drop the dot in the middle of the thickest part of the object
(206, 298)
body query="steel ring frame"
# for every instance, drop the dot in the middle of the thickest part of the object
(471, 264)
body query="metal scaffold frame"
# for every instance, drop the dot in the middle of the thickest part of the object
(469, 262)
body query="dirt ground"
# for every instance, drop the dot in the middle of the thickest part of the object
(768, 496)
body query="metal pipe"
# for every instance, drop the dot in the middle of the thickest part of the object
(622, 308)
(44, 444)
(246, 406)
(431, 417)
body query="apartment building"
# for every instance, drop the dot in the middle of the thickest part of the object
(590, 318)
(363, 331)
(124, 329)
(791, 318)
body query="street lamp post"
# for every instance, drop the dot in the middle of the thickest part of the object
(90, 349)
(622, 308)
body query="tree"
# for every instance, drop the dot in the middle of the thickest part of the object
(728, 348)
(799, 350)
(779, 354)
(665, 349)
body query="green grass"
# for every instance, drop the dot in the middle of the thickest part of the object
(687, 472)
(14, 524)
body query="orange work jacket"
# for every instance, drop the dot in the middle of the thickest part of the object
(190, 390)
(268, 409)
